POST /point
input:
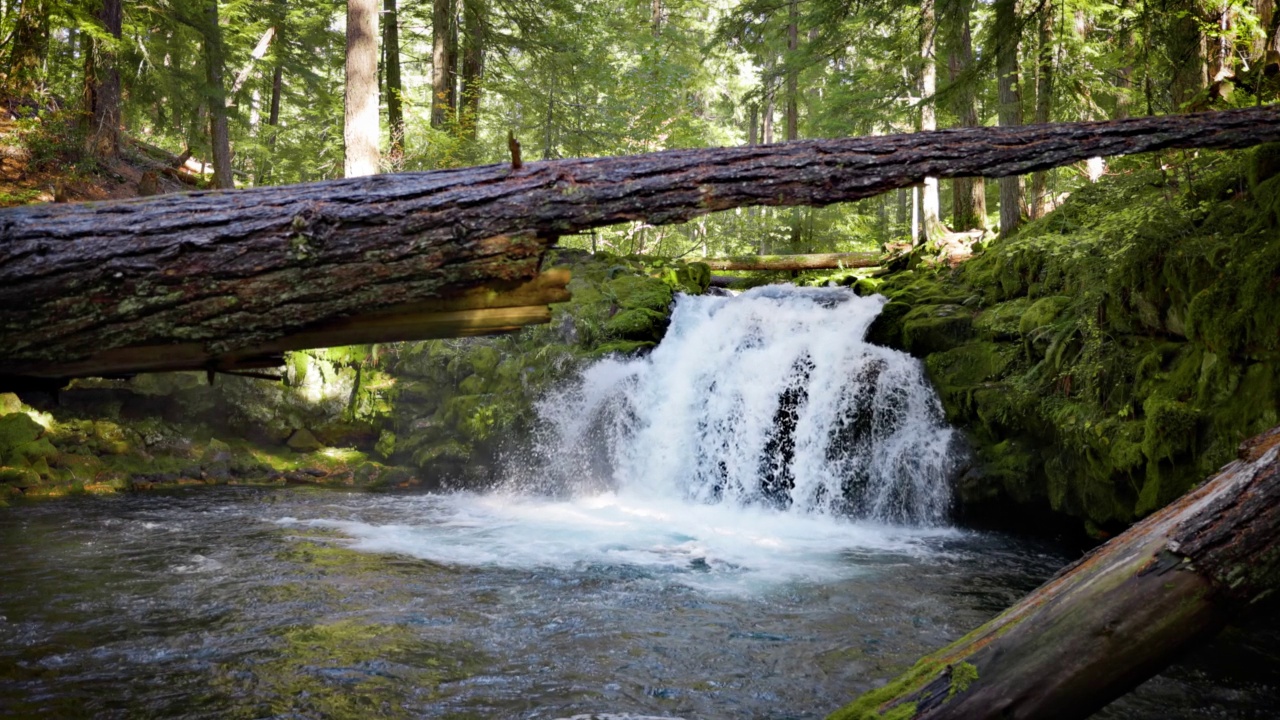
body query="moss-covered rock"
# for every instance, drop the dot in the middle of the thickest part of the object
(640, 324)
(640, 292)
(936, 328)
(17, 429)
(303, 440)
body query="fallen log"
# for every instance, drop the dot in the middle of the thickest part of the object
(819, 261)
(226, 272)
(1116, 617)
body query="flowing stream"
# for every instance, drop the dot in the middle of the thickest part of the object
(748, 523)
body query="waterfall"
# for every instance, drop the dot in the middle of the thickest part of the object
(770, 399)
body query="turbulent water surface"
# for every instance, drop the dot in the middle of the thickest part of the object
(749, 523)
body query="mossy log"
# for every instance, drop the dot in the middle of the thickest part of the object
(819, 261)
(222, 273)
(1116, 617)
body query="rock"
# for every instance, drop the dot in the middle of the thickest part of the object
(386, 444)
(935, 328)
(1042, 312)
(303, 441)
(40, 450)
(19, 477)
(694, 278)
(639, 291)
(637, 324)
(17, 429)
(471, 385)
(9, 403)
(109, 438)
(886, 329)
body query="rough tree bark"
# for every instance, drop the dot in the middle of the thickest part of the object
(395, 87)
(442, 92)
(969, 195)
(102, 81)
(28, 47)
(360, 125)
(793, 75)
(214, 66)
(475, 21)
(818, 261)
(228, 271)
(1010, 100)
(1044, 103)
(930, 206)
(1116, 617)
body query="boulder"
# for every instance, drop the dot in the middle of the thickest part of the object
(303, 441)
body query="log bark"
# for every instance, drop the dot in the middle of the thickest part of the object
(1116, 617)
(822, 261)
(235, 270)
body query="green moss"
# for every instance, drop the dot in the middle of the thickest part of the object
(936, 328)
(17, 429)
(1003, 320)
(621, 347)
(1121, 347)
(1041, 313)
(963, 675)
(640, 292)
(1264, 164)
(18, 476)
(640, 324)
(866, 287)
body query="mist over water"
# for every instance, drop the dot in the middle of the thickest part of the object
(762, 442)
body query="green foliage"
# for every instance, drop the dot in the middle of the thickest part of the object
(1122, 347)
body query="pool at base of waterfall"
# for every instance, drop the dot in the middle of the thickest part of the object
(292, 603)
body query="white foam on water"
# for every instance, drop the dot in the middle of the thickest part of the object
(763, 441)
(714, 547)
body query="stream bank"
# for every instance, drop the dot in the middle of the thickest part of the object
(418, 414)
(1107, 358)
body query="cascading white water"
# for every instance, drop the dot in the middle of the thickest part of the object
(772, 399)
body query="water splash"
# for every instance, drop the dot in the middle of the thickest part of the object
(770, 399)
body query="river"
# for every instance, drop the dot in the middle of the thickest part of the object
(750, 522)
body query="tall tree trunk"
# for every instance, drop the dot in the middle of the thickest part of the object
(360, 129)
(766, 114)
(793, 74)
(753, 124)
(475, 20)
(1124, 76)
(395, 88)
(214, 66)
(1010, 100)
(103, 84)
(1188, 48)
(655, 17)
(273, 121)
(1044, 104)
(969, 195)
(442, 107)
(30, 44)
(930, 206)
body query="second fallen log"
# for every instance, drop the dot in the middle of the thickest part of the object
(821, 261)
(1116, 617)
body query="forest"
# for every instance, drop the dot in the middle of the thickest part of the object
(649, 358)
(285, 92)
